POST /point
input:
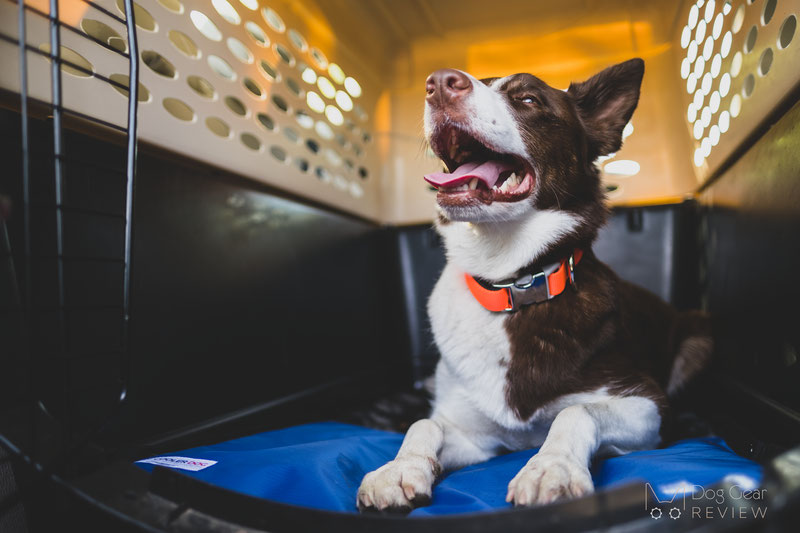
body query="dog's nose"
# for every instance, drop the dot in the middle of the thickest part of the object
(446, 85)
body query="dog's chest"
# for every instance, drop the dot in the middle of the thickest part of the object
(475, 349)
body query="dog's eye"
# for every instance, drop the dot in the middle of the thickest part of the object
(528, 99)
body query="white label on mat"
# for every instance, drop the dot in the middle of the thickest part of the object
(184, 463)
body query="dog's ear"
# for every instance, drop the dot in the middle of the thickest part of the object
(606, 102)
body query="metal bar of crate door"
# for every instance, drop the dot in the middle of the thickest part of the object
(58, 176)
(26, 213)
(133, 103)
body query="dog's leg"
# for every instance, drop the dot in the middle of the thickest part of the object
(407, 481)
(561, 467)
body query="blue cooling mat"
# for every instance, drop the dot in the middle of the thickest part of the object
(321, 466)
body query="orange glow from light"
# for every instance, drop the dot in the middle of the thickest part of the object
(566, 55)
(69, 11)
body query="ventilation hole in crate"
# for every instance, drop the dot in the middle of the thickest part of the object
(357, 150)
(336, 73)
(252, 5)
(171, 5)
(253, 88)
(787, 32)
(340, 183)
(205, 26)
(292, 135)
(750, 40)
(304, 119)
(301, 164)
(227, 11)
(273, 19)
(341, 140)
(334, 116)
(278, 153)
(736, 64)
(221, 67)
(748, 86)
(68, 54)
(312, 145)
(326, 87)
(344, 101)
(323, 130)
(236, 105)
(718, 22)
(307, 73)
(352, 86)
(738, 19)
(239, 50)
(268, 70)
(123, 79)
(349, 164)
(708, 48)
(765, 62)
(724, 85)
(280, 103)
(323, 174)
(699, 67)
(736, 105)
(356, 190)
(178, 109)
(716, 65)
(709, 11)
(367, 138)
(143, 17)
(250, 141)
(319, 58)
(284, 53)
(297, 40)
(266, 121)
(333, 157)
(714, 102)
(724, 121)
(293, 86)
(258, 35)
(725, 46)
(184, 44)
(218, 127)
(315, 102)
(769, 11)
(363, 173)
(202, 87)
(159, 64)
(104, 33)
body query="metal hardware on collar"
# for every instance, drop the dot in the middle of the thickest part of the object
(530, 288)
(571, 266)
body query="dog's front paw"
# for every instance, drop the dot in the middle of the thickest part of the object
(399, 485)
(549, 477)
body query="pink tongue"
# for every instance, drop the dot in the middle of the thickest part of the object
(488, 172)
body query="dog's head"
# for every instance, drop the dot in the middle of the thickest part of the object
(515, 145)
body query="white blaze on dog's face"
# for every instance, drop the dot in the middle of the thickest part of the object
(514, 145)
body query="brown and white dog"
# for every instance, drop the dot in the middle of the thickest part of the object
(583, 373)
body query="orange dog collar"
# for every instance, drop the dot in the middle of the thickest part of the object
(529, 289)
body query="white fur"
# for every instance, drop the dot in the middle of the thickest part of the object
(491, 120)
(494, 251)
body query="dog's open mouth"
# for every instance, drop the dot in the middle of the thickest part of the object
(477, 172)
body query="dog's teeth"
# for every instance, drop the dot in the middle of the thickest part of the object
(473, 183)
